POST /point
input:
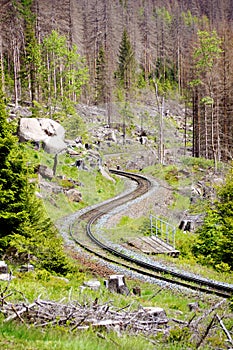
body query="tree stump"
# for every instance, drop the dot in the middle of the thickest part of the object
(116, 283)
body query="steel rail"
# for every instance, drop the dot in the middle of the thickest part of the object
(93, 215)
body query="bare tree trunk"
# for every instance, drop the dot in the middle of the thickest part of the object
(15, 62)
(54, 78)
(205, 132)
(160, 106)
(2, 65)
(49, 86)
(61, 80)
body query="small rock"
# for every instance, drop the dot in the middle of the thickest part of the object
(6, 277)
(74, 195)
(45, 172)
(26, 268)
(92, 284)
(3, 267)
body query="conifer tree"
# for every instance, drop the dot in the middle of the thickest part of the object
(14, 188)
(215, 238)
(24, 224)
(101, 77)
(126, 64)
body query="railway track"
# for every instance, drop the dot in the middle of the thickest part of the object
(81, 233)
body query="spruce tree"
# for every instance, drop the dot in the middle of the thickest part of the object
(126, 65)
(24, 224)
(14, 187)
(214, 244)
(101, 77)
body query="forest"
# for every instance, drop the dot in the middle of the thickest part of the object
(58, 53)
(104, 70)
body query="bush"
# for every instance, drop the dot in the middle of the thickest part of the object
(214, 245)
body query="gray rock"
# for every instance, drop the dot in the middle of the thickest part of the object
(54, 144)
(92, 284)
(48, 131)
(111, 136)
(26, 268)
(74, 195)
(50, 187)
(105, 174)
(45, 172)
(3, 267)
(6, 277)
(143, 140)
(155, 311)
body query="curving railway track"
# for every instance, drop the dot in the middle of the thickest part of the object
(81, 233)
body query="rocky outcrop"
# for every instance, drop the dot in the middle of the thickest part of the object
(47, 131)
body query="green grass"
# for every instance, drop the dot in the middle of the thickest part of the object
(95, 189)
(27, 286)
(124, 230)
(128, 228)
(93, 186)
(20, 338)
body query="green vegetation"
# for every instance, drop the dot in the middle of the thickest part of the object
(25, 229)
(215, 240)
(28, 286)
(93, 187)
(22, 338)
(75, 127)
(50, 74)
(126, 67)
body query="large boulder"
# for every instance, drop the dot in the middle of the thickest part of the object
(44, 130)
(54, 145)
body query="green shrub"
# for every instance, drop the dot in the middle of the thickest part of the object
(179, 335)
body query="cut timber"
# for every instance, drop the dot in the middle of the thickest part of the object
(153, 245)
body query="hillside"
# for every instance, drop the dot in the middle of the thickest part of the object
(130, 48)
(140, 86)
(178, 176)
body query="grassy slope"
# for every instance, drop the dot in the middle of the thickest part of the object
(15, 337)
(28, 286)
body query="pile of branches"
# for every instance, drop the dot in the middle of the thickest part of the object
(43, 313)
(144, 321)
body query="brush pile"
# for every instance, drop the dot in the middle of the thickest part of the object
(42, 313)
